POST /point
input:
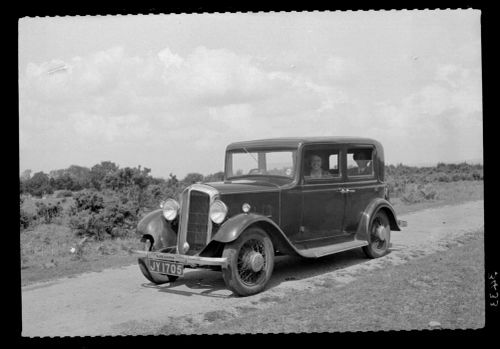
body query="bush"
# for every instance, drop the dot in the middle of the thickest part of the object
(477, 176)
(101, 225)
(47, 212)
(91, 216)
(155, 193)
(418, 193)
(25, 219)
(120, 217)
(64, 194)
(440, 173)
(88, 200)
(88, 224)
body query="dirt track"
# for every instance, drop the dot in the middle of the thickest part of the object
(121, 301)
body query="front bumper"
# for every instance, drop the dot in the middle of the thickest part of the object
(192, 261)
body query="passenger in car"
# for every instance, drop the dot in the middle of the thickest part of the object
(364, 162)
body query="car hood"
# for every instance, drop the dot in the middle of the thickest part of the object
(243, 186)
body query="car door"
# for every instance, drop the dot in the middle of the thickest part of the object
(361, 186)
(323, 202)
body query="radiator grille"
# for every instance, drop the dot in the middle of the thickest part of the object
(198, 220)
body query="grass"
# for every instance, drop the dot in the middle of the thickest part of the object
(46, 253)
(45, 248)
(446, 287)
(447, 193)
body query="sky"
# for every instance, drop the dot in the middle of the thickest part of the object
(169, 92)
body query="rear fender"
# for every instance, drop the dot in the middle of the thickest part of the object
(236, 225)
(370, 211)
(154, 226)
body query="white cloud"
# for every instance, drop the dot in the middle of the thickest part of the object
(111, 103)
(112, 100)
(442, 120)
(232, 115)
(111, 84)
(123, 129)
(339, 69)
(412, 80)
(214, 77)
(170, 59)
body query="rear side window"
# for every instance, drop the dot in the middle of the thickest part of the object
(360, 162)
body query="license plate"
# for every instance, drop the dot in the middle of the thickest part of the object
(166, 267)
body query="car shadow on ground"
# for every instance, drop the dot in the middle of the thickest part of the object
(198, 282)
(291, 268)
(201, 282)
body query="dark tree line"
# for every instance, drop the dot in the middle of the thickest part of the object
(105, 176)
(107, 200)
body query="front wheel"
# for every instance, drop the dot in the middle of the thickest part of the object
(380, 236)
(250, 262)
(157, 279)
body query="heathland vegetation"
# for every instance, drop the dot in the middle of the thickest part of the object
(80, 218)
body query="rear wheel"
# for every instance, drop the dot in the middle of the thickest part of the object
(157, 279)
(250, 262)
(380, 236)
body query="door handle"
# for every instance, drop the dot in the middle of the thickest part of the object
(350, 191)
(345, 190)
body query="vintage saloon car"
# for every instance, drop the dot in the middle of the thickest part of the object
(309, 197)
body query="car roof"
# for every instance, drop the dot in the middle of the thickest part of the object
(295, 142)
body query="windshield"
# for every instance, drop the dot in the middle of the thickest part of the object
(245, 162)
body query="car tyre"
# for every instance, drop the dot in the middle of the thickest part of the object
(250, 262)
(157, 279)
(379, 237)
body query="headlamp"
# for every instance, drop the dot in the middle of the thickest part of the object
(218, 211)
(170, 209)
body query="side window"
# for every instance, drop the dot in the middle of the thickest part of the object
(334, 164)
(360, 162)
(321, 164)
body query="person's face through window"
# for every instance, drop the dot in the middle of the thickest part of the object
(315, 163)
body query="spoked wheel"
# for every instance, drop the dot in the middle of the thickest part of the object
(157, 279)
(380, 236)
(250, 262)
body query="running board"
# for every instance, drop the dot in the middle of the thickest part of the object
(321, 251)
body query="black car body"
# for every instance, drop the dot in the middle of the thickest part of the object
(275, 199)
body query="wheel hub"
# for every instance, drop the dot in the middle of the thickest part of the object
(381, 233)
(255, 261)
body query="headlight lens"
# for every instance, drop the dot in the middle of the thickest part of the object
(218, 212)
(170, 209)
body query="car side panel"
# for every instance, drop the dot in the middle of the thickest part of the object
(263, 202)
(357, 201)
(323, 212)
(291, 211)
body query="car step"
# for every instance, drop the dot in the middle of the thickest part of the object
(321, 251)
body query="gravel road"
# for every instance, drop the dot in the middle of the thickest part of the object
(121, 301)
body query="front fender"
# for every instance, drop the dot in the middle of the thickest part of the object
(234, 226)
(156, 226)
(367, 216)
